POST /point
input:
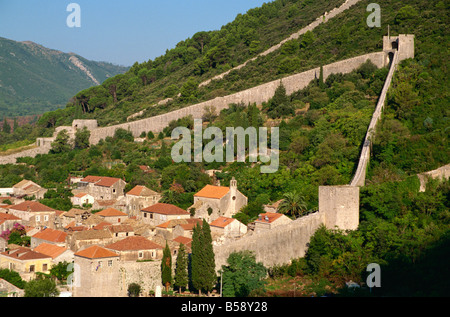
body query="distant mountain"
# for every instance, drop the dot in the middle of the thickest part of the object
(35, 79)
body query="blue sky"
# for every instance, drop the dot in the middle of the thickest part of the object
(120, 32)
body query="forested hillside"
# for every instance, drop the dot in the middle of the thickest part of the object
(35, 79)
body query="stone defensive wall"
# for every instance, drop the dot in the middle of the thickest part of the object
(276, 246)
(338, 209)
(322, 19)
(442, 172)
(258, 95)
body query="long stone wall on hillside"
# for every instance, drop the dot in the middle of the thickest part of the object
(267, 245)
(360, 175)
(11, 159)
(258, 94)
(322, 19)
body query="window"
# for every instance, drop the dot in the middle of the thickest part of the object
(44, 267)
(140, 255)
(145, 215)
(31, 268)
(38, 218)
(46, 218)
(110, 262)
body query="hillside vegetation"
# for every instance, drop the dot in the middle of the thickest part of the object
(321, 130)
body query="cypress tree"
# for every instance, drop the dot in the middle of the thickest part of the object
(203, 267)
(6, 126)
(181, 269)
(196, 253)
(209, 264)
(166, 268)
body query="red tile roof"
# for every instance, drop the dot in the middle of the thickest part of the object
(51, 235)
(134, 243)
(96, 252)
(110, 212)
(222, 222)
(271, 217)
(165, 209)
(186, 241)
(80, 195)
(102, 225)
(4, 216)
(139, 190)
(22, 253)
(101, 180)
(32, 206)
(210, 191)
(50, 249)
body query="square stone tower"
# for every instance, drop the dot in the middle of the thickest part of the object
(403, 43)
(339, 206)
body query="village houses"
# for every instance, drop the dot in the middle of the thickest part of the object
(103, 242)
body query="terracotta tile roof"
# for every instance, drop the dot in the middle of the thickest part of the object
(102, 225)
(50, 249)
(107, 181)
(96, 252)
(91, 179)
(51, 235)
(110, 212)
(186, 241)
(74, 212)
(222, 222)
(184, 223)
(33, 206)
(191, 223)
(210, 191)
(22, 183)
(22, 253)
(134, 243)
(101, 180)
(268, 217)
(142, 191)
(166, 209)
(80, 195)
(106, 202)
(120, 228)
(4, 216)
(92, 235)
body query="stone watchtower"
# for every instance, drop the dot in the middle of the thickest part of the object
(339, 206)
(403, 44)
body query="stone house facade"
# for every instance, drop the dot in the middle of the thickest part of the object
(270, 220)
(228, 227)
(112, 215)
(136, 248)
(26, 262)
(96, 273)
(160, 213)
(138, 198)
(34, 214)
(102, 187)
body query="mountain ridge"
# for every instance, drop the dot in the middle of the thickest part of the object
(35, 79)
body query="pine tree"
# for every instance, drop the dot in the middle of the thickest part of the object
(181, 269)
(166, 268)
